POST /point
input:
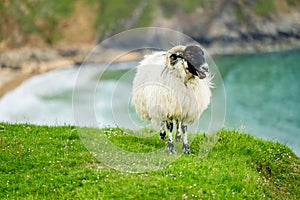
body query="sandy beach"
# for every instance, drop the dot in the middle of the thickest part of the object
(13, 75)
(10, 79)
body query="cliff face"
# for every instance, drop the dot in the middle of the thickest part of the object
(223, 25)
(239, 26)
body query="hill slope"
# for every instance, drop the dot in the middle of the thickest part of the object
(250, 23)
(41, 162)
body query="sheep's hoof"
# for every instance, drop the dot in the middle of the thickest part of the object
(162, 135)
(186, 149)
(171, 147)
(178, 138)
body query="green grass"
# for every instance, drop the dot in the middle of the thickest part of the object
(264, 7)
(239, 12)
(40, 17)
(41, 162)
(293, 2)
(112, 13)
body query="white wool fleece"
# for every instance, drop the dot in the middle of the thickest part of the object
(161, 94)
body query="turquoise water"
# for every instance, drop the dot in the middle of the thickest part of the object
(262, 92)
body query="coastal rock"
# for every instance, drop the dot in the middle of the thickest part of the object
(234, 26)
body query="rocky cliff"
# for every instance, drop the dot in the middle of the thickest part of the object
(224, 26)
(235, 26)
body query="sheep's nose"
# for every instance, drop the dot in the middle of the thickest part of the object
(204, 67)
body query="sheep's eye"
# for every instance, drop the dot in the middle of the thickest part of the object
(173, 59)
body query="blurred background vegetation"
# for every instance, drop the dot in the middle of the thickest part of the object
(43, 22)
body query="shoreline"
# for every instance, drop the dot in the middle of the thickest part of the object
(13, 74)
(15, 68)
(15, 79)
(12, 81)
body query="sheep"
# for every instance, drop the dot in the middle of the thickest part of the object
(172, 86)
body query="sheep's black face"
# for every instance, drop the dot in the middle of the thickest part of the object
(194, 56)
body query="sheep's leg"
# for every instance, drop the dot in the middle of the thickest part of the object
(186, 148)
(170, 142)
(178, 131)
(162, 132)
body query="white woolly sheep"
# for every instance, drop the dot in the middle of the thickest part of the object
(172, 86)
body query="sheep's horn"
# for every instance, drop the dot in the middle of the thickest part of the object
(172, 51)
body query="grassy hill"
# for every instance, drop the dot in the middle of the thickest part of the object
(41, 162)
